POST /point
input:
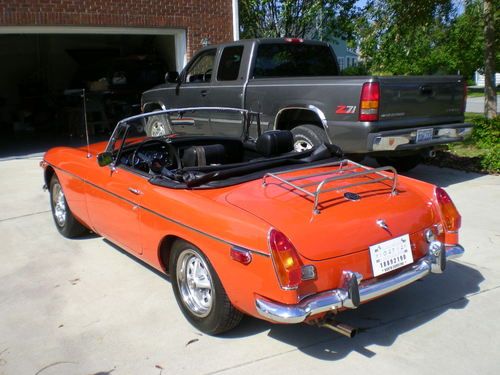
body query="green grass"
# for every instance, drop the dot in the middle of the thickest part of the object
(474, 94)
(466, 149)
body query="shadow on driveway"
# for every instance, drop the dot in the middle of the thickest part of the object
(380, 322)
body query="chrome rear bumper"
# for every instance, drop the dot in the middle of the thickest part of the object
(354, 292)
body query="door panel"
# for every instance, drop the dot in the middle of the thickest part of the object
(113, 199)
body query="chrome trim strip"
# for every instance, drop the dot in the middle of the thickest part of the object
(257, 252)
(339, 298)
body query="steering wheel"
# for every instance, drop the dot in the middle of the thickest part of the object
(136, 161)
(207, 75)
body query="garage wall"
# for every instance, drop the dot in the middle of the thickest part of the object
(200, 18)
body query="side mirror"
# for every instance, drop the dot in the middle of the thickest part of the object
(104, 159)
(172, 77)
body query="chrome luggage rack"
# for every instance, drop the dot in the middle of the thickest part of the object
(320, 184)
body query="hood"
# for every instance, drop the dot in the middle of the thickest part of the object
(342, 227)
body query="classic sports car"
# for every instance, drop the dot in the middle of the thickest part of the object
(245, 225)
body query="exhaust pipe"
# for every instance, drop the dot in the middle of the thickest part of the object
(341, 328)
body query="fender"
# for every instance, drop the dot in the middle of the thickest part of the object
(151, 106)
(307, 107)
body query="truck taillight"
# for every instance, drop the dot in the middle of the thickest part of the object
(465, 96)
(369, 102)
(286, 261)
(450, 216)
(294, 40)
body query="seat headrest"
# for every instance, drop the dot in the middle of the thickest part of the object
(275, 142)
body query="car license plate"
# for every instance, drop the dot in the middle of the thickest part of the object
(424, 135)
(390, 255)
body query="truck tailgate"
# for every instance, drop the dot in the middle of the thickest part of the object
(439, 99)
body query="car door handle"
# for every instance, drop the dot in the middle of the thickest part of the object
(204, 92)
(134, 191)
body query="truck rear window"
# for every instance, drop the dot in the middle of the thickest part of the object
(294, 60)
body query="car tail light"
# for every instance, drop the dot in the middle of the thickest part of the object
(451, 218)
(286, 261)
(369, 102)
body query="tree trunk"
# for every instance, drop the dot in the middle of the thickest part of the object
(490, 100)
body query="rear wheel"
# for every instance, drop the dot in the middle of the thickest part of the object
(401, 163)
(65, 222)
(199, 291)
(306, 137)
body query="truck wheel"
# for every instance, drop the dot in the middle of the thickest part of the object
(156, 126)
(401, 163)
(199, 291)
(65, 222)
(306, 137)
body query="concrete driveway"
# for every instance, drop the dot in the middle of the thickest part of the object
(85, 307)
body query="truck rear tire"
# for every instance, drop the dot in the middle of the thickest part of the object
(306, 137)
(401, 163)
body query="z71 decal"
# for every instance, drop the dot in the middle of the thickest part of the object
(345, 109)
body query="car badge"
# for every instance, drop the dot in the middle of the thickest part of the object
(382, 224)
(352, 196)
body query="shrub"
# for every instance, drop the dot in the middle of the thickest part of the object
(491, 160)
(486, 132)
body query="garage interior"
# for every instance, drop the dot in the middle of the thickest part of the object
(42, 77)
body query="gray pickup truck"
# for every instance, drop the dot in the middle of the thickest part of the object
(296, 85)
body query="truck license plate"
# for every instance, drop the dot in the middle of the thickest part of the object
(390, 255)
(424, 135)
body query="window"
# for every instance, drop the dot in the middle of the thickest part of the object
(230, 62)
(294, 60)
(341, 63)
(201, 69)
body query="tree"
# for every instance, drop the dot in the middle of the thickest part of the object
(431, 36)
(296, 18)
(490, 104)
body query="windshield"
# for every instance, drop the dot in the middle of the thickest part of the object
(226, 122)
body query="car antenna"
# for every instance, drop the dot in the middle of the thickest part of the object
(84, 99)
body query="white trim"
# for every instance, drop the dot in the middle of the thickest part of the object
(236, 21)
(88, 30)
(178, 34)
(180, 50)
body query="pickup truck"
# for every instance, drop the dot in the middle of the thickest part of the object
(296, 85)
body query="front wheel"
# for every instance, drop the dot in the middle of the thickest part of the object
(306, 137)
(156, 126)
(65, 222)
(199, 291)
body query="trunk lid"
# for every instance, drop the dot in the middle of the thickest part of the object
(342, 227)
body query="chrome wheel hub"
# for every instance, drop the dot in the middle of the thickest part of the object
(195, 283)
(59, 204)
(302, 145)
(157, 129)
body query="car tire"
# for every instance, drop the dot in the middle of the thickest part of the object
(65, 222)
(156, 126)
(401, 163)
(206, 305)
(306, 137)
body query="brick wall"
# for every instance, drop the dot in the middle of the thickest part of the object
(200, 18)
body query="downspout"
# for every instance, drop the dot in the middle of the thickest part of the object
(236, 21)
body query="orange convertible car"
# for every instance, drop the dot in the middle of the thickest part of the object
(243, 224)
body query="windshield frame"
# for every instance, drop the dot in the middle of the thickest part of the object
(121, 130)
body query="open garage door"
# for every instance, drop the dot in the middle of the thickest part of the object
(44, 69)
